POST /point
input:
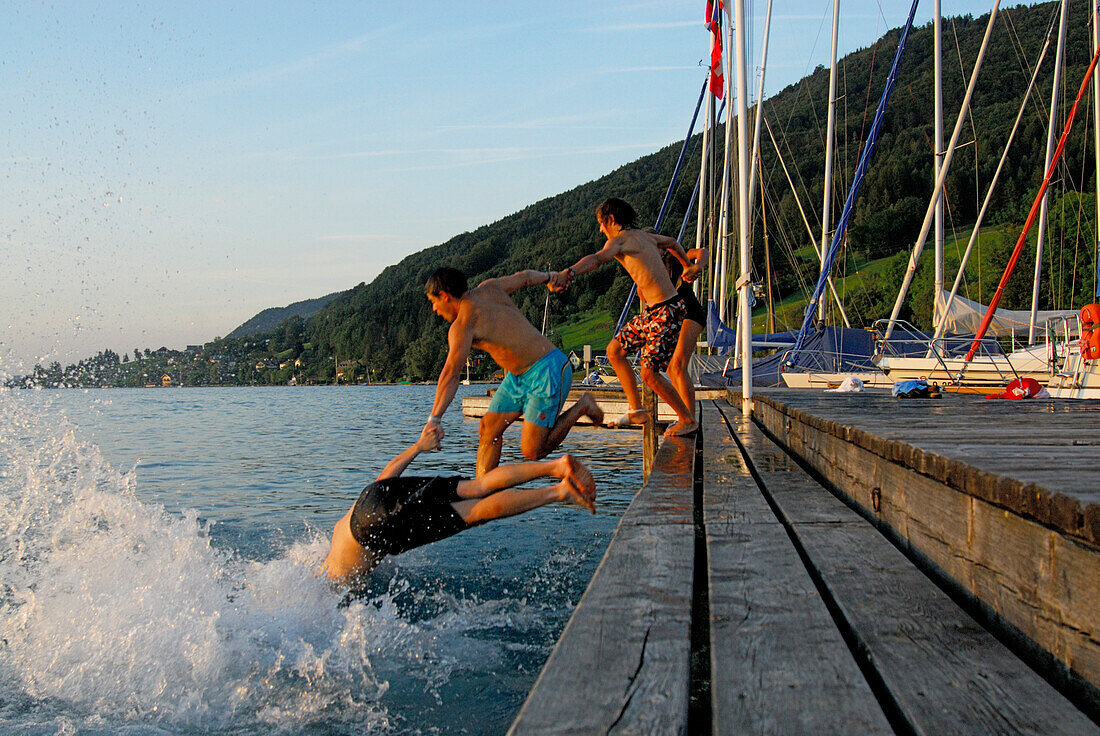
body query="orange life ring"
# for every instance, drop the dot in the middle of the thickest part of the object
(1090, 316)
(1090, 344)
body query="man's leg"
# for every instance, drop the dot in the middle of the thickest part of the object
(664, 388)
(680, 377)
(537, 442)
(490, 433)
(514, 474)
(616, 355)
(492, 496)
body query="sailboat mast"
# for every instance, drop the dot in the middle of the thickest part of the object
(754, 159)
(830, 126)
(704, 191)
(744, 283)
(926, 226)
(941, 326)
(1096, 136)
(937, 142)
(724, 205)
(1059, 60)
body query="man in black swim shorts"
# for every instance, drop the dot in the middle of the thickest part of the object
(394, 514)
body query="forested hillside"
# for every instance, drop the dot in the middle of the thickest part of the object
(386, 330)
(272, 317)
(388, 323)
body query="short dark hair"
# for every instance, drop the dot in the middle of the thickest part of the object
(447, 279)
(618, 210)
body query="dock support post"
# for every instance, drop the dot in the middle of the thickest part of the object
(650, 438)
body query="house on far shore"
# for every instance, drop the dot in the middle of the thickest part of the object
(166, 380)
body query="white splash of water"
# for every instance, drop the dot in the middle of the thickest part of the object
(115, 614)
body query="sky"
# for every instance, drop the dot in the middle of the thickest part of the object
(171, 169)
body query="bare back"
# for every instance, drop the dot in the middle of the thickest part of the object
(640, 255)
(500, 329)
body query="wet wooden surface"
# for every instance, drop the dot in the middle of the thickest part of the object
(1037, 458)
(621, 665)
(814, 620)
(934, 666)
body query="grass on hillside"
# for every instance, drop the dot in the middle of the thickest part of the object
(980, 270)
(595, 329)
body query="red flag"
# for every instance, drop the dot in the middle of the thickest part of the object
(717, 84)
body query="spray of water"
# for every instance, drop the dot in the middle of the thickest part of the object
(115, 613)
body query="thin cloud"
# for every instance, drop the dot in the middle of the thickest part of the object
(497, 156)
(484, 155)
(368, 238)
(294, 68)
(635, 69)
(632, 27)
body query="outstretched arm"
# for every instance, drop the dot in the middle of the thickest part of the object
(520, 279)
(459, 339)
(428, 440)
(698, 258)
(590, 262)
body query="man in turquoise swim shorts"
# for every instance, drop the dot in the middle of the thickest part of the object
(537, 374)
(538, 393)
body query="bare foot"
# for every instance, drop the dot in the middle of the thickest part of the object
(682, 428)
(634, 416)
(590, 408)
(579, 483)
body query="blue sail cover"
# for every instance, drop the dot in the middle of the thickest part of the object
(849, 203)
(834, 349)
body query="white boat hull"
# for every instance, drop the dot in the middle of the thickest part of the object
(984, 370)
(825, 380)
(1078, 379)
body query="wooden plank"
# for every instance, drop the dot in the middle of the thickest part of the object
(621, 665)
(1015, 589)
(943, 672)
(1064, 501)
(778, 662)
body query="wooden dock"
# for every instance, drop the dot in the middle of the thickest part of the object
(611, 400)
(893, 567)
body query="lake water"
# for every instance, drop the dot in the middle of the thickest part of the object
(157, 557)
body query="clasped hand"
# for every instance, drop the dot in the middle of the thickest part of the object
(559, 281)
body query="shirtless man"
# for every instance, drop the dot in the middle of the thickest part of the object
(395, 514)
(537, 374)
(656, 329)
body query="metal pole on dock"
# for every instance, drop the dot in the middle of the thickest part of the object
(744, 283)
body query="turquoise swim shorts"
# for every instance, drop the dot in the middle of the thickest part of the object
(539, 392)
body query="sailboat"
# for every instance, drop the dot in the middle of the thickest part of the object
(1076, 373)
(968, 358)
(834, 359)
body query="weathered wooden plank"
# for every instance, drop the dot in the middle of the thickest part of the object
(621, 665)
(778, 662)
(1014, 586)
(1065, 501)
(943, 671)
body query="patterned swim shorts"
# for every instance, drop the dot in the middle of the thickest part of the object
(656, 330)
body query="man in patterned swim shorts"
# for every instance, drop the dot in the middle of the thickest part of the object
(657, 329)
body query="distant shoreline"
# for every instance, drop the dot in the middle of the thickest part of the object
(241, 385)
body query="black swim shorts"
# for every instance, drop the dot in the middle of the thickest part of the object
(695, 311)
(397, 514)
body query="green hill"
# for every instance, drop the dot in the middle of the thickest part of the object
(270, 318)
(389, 326)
